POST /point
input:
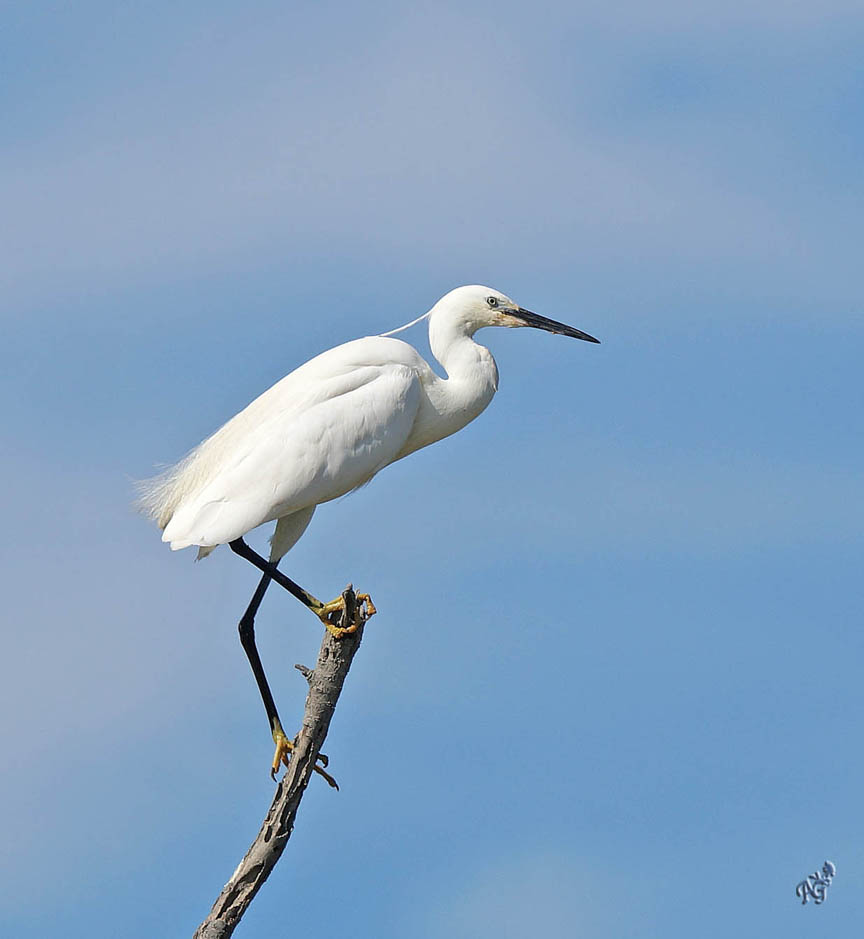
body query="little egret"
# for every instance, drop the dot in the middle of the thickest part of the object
(322, 431)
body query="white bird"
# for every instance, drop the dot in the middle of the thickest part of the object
(324, 430)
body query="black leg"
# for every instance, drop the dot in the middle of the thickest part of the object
(247, 640)
(324, 611)
(239, 546)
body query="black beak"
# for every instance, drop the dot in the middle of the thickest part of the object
(551, 326)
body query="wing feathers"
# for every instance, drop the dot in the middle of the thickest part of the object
(287, 452)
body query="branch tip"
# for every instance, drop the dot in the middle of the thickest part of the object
(307, 673)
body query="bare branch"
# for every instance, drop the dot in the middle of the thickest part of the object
(325, 686)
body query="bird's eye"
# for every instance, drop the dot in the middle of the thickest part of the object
(492, 301)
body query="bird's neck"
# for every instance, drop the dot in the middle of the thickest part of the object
(472, 376)
(449, 404)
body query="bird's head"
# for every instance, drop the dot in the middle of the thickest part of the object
(475, 307)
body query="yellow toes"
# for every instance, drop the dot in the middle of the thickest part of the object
(284, 749)
(365, 609)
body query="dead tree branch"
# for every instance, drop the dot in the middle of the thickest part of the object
(325, 686)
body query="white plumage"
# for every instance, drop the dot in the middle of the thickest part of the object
(329, 426)
(320, 432)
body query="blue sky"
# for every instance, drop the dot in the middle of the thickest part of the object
(633, 584)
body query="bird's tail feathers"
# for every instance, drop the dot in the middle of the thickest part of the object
(159, 496)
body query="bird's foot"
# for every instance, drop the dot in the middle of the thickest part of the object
(335, 612)
(284, 749)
